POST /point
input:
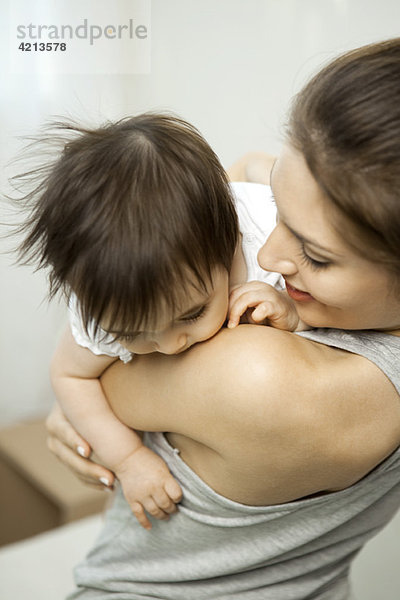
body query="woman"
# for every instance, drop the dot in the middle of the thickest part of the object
(286, 445)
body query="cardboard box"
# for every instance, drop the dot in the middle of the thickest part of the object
(37, 491)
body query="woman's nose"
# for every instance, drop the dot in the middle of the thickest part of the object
(170, 343)
(277, 253)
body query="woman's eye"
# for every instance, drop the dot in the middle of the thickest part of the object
(315, 264)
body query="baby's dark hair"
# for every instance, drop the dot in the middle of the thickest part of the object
(127, 214)
(346, 123)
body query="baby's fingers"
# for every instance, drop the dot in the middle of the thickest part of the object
(164, 503)
(160, 505)
(236, 309)
(140, 514)
(166, 499)
(262, 312)
(173, 490)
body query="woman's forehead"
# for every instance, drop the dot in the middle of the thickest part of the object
(302, 205)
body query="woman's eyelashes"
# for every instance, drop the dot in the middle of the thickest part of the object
(312, 262)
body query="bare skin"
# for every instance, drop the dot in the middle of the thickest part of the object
(263, 434)
(254, 167)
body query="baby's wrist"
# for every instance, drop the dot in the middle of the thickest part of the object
(121, 464)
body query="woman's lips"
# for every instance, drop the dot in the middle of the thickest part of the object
(297, 295)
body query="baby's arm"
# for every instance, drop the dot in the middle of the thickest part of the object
(263, 305)
(145, 478)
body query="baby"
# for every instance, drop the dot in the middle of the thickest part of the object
(139, 228)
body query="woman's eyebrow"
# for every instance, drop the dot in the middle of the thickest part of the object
(305, 240)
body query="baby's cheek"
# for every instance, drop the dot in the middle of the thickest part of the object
(215, 326)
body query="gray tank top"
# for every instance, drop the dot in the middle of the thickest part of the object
(217, 549)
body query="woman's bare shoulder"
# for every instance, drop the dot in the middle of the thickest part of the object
(235, 365)
(329, 414)
(249, 364)
(307, 417)
(265, 396)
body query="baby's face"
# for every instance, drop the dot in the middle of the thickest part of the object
(201, 315)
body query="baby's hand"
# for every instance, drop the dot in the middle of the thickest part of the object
(148, 486)
(263, 305)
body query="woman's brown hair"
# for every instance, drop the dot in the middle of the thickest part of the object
(346, 123)
(128, 214)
